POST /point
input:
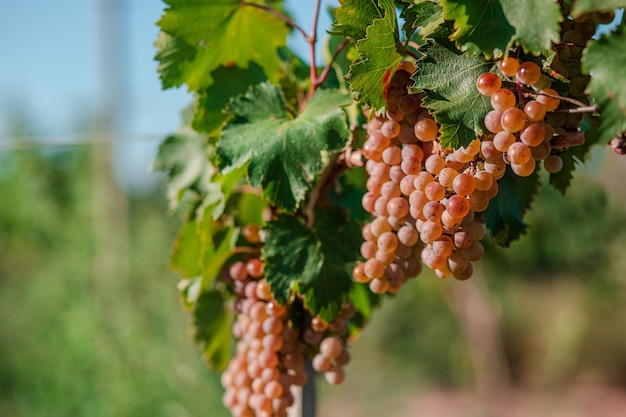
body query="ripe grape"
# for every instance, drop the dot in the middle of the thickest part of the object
(508, 66)
(519, 153)
(528, 73)
(513, 120)
(488, 83)
(503, 99)
(553, 164)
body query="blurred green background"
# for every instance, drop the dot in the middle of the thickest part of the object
(91, 322)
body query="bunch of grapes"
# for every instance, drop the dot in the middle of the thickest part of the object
(424, 199)
(271, 348)
(427, 201)
(520, 135)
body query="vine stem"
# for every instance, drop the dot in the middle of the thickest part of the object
(311, 40)
(580, 104)
(322, 77)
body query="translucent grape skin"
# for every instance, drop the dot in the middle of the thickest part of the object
(508, 66)
(528, 73)
(503, 99)
(488, 83)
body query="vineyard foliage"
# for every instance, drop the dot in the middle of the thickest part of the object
(275, 143)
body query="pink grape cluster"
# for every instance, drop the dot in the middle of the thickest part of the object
(424, 199)
(268, 360)
(271, 349)
(520, 137)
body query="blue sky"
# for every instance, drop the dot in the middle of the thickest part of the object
(51, 62)
(51, 70)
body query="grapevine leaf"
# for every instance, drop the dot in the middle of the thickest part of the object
(583, 6)
(212, 327)
(315, 263)
(505, 214)
(480, 25)
(220, 188)
(425, 16)
(284, 155)
(183, 156)
(216, 246)
(229, 82)
(537, 34)
(186, 251)
(604, 59)
(449, 80)
(354, 16)
(378, 59)
(205, 34)
(171, 53)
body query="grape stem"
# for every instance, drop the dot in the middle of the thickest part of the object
(330, 174)
(580, 104)
(322, 77)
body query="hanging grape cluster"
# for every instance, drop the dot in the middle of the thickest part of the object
(427, 201)
(274, 341)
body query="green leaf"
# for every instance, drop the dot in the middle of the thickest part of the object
(186, 251)
(314, 263)
(183, 156)
(426, 16)
(212, 327)
(354, 16)
(220, 189)
(379, 58)
(582, 6)
(605, 59)
(209, 113)
(207, 34)
(284, 155)
(505, 214)
(250, 209)
(448, 78)
(216, 246)
(481, 26)
(537, 31)
(171, 53)
(364, 302)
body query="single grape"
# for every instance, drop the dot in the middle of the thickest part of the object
(483, 180)
(488, 151)
(508, 66)
(374, 268)
(458, 206)
(390, 128)
(434, 164)
(478, 201)
(513, 120)
(528, 73)
(464, 184)
(534, 111)
(426, 130)
(519, 153)
(492, 121)
(446, 177)
(533, 134)
(503, 140)
(488, 83)
(553, 164)
(434, 191)
(503, 99)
